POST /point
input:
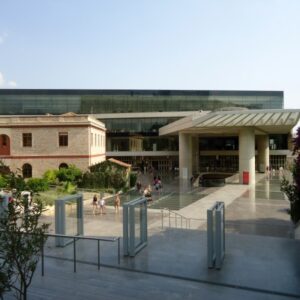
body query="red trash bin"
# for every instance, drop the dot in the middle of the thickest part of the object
(245, 177)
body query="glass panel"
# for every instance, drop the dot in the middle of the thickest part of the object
(71, 217)
(137, 219)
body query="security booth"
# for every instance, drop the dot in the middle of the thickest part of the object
(68, 218)
(135, 233)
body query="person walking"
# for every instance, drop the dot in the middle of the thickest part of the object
(117, 202)
(95, 204)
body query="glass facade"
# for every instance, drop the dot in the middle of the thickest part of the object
(26, 102)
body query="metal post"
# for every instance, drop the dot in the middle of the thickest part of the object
(98, 254)
(42, 252)
(176, 220)
(162, 219)
(169, 218)
(181, 222)
(74, 250)
(119, 256)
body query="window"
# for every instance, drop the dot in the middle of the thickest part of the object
(27, 170)
(27, 139)
(63, 166)
(4, 140)
(63, 139)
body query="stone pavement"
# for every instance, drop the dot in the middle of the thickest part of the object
(262, 260)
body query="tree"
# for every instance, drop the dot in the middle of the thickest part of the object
(292, 189)
(21, 240)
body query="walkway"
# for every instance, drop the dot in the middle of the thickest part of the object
(262, 261)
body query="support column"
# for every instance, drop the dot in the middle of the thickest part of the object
(263, 152)
(247, 154)
(185, 156)
(195, 156)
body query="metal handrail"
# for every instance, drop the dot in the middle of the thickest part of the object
(79, 237)
(181, 217)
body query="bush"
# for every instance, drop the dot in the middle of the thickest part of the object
(37, 184)
(133, 179)
(71, 174)
(3, 182)
(15, 181)
(50, 176)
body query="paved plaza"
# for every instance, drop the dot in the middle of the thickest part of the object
(261, 262)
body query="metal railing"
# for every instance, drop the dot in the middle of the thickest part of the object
(177, 219)
(76, 238)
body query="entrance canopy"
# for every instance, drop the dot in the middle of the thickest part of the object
(246, 124)
(231, 122)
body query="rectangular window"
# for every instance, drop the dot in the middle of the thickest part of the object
(63, 139)
(27, 139)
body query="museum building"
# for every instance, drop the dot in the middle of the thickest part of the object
(143, 126)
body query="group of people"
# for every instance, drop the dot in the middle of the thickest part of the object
(147, 191)
(101, 204)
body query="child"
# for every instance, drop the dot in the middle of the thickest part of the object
(102, 205)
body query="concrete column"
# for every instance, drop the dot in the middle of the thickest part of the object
(195, 155)
(185, 156)
(263, 152)
(247, 154)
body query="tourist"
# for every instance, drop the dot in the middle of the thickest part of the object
(117, 202)
(102, 205)
(94, 204)
(138, 186)
(147, 193)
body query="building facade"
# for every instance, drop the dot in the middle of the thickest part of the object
(35, 144)
(133, 119)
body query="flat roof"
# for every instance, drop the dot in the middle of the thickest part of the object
(133, 92)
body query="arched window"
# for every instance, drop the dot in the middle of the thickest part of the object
(63, 166)
(27, 170)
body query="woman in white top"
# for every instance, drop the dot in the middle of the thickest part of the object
(102, 205)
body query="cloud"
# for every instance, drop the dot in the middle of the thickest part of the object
(7, 84)
(3, 37)
(1, 80)
(12, 84)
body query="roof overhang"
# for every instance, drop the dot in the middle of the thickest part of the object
(231, 122)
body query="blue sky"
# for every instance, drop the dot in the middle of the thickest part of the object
(155, 44)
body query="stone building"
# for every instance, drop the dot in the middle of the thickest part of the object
(34, 144)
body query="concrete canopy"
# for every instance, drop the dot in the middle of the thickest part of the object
(231, 122)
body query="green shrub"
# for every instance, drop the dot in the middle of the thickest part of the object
(66, 188)
(15, 181)
(37, 184)
(50, 176)
(117, 181)
(3, 182)
(71, 174)
(133, 179)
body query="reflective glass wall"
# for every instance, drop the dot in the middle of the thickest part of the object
(21, 102)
